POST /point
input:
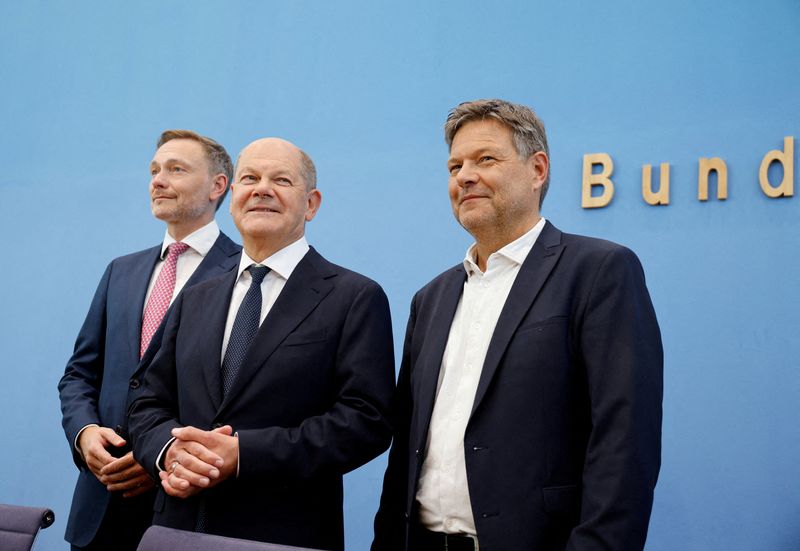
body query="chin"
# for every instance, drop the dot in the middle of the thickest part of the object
(175, 214)
(162, 214)
(471, 220)
(258, 231)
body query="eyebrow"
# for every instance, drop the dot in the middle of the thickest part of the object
(171, 161)
(482, 150)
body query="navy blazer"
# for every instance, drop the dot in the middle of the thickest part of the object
(100, 376)
(563, 444)
(310, 403)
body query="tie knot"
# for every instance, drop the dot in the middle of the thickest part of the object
(258, 273)
(176, 249)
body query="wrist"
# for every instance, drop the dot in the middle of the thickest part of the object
(83, 434)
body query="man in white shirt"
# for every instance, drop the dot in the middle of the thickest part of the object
(529, 397)
(272, 381)
(113, 499)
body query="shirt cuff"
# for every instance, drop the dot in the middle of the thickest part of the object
(238, 455)
(159, 459)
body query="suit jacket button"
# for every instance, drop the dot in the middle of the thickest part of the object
(216, 426)
(118, 429)
(134, 384)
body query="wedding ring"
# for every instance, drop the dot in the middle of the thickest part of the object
(173, 466)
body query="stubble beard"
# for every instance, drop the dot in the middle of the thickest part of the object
(178, 213)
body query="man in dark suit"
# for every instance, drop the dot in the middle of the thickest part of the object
(113, 500)
(272, 381)
(529, 396)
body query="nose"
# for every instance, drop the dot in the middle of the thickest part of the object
(466, 175)
(263, 188)
(157, 180)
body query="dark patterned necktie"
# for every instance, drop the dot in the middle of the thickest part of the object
(244, 330)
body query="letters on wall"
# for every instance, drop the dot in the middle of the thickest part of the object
(598, 187)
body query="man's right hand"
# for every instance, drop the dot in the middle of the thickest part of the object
(93, 442)
(191, 466)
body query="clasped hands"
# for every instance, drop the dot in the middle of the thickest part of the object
(121, 474)
(199, 459)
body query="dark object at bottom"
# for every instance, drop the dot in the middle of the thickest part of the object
(20, 525)
(160, 538)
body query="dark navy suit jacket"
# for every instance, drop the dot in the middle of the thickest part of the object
(563, 444)
(310, 403)
(100, 377)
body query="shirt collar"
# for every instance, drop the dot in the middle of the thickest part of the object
(200, 240)
(282, 263)
(515, 252)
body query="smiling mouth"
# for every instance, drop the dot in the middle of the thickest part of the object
(262, 209)
(471, 198)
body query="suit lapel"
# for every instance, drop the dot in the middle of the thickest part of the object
(434, 342)
(305, 289)
(210, 320)
(222, 257)
(529, 281)
(138, 281)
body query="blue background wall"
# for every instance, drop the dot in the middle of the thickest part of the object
(364, 88)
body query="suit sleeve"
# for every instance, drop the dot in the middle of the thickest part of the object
(390, 520)
(79, 388)
(154, 412)
(356, 428)
(620, 346)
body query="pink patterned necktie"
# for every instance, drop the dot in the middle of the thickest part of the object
(161, 295)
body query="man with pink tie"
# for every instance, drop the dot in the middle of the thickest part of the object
(113, 499)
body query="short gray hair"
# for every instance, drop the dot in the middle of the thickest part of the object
(526, 128)
(307, 170)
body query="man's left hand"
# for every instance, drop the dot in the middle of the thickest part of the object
(127, 476)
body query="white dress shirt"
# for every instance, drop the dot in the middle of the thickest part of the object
(200, 242)
(443, 494)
